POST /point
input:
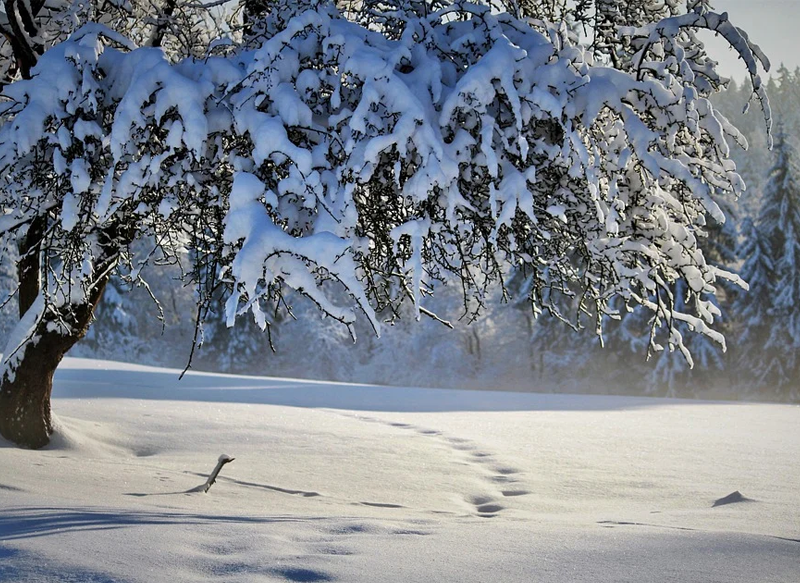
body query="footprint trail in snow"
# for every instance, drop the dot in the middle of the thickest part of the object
(502, 481)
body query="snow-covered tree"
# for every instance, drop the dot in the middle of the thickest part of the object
(787, 97)
(30, 27)
(666, 371)
(770, 313)
(752, 309)
(671, 374)
(343, 157)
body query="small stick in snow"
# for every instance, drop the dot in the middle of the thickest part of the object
(223, 459)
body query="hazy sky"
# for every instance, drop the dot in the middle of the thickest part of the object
(774, 25)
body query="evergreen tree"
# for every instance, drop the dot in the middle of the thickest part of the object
(115, 334)
(786, 94)
(770, 312)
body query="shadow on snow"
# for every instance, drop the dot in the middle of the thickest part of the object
(77, 382)
(34, 522)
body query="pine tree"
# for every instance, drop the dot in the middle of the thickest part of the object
(786, 94)
(770, 312)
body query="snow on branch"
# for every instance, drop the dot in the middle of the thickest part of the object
(663, 39)
(462, 146)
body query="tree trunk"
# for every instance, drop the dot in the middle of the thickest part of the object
(20, 33)
(25, 392)
(25, 401)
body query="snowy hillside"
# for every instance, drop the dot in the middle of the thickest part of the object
(364, 484)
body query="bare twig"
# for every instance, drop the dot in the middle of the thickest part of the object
(223, 459)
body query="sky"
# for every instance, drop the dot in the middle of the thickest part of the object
(774, 25)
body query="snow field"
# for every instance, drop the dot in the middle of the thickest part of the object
(352, 483)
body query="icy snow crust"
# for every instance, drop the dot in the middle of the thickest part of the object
(350, 483)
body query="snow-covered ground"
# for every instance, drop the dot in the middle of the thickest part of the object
(352, 483)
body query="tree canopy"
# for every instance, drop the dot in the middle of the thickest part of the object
(376, 151)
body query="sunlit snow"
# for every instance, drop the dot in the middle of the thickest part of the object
(355, 483)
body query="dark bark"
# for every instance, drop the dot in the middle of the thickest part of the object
(25, 55)
(162, 23)
(28, 266)
(25, 415)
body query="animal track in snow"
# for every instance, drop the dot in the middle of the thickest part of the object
(428, 432)
(506, 470)
(464, 447)
(502, 479)
(301, 574)
(514, 493)
(484, 462)
(490, 508)
(485, 505)
(330, 549)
